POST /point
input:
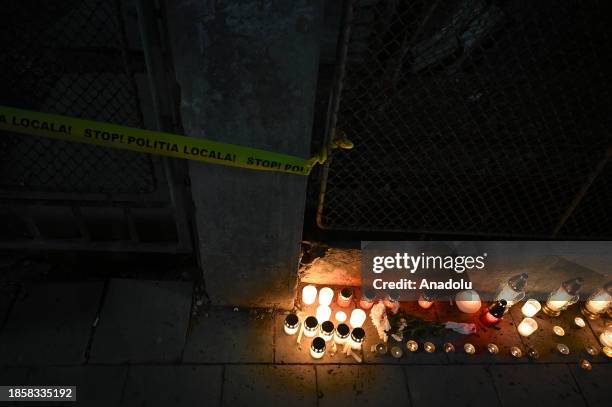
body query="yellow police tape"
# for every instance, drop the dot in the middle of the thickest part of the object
(147, 141)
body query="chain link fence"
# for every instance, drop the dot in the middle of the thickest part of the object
(69, 58)
(474, 117)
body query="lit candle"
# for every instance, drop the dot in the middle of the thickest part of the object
(469, 348)
(563, 349)
(391, 302)
(429, 347)
(449, 347)
(492, 316)
(317, 348)
(367, 299)
(426, 300)
(311, 327)
(358, 317)
(340, 316)
(357, 338)
(309, 294)
(493, 348)
(323, 313)
(326, 295)
(412, 346)
(327, 330)
(579, 322)
(527, 327)
(516, 352)
(292, 324)
(606, 336)
(345, 298)
(531, 307)
(563, 297)
(396, 352)
(342, 333)
(598, 302)
(558, 330)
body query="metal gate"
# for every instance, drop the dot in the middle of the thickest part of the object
(472, 117)
(94, 60)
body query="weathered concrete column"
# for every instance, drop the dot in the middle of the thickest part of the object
(247, 71)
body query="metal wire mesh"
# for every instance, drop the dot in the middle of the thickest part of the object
(473, 116)
(68, 58)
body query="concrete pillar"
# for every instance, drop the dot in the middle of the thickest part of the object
(247, 71)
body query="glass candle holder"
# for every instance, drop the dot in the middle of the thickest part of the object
(323, 313)
(512, 290)
(357, 338)
(326, 331)
(358, 317)
(494, 314)
(598, 302)
(311, 327)
(391, 302)
(606, 336)
(345, 297)
(527, 327)
(317, 348)
(326, 295)
(291, 325)
(425, 300)
(531, 307)
(562, 297)
(309, 294)
(342, 334)
(367, 299)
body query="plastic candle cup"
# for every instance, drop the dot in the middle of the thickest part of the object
(358, 317)
(412, 345)
(309, 294)
(367, 299)
(326, 295)
(512, 290)
(492, 316)
(345, 297)
(326, 331)
(527, 327)
(317, 348)
(558, 330)
(323, 313)
(493, 348)
(357, 338)
(531, 307)
(606, 336)
(291, 325)
(598, 302)
(340, 316)
(342, 333)
(563, 297)
(579, 322)
(311, 327)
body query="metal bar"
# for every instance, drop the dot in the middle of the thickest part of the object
(334, 102)
(582, 192)
(162, 98)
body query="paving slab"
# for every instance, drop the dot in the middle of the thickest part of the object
(368, 385)
(173, 386)
(96, 385)
(451, 385)
(227, 336)
(269, 385)
(536, 385)
(595, 384)
(50, 324)
(142, 321)
(545, 341)
(504, 335)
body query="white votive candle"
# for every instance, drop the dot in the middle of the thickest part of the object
(309, 294)
(323, 313)
(527, 326)
(531, 307)
(358, 317)
(326, 295)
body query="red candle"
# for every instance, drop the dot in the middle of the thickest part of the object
(493, 315)
(367, 299)
(345, 297)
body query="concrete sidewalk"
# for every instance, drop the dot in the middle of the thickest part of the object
(136, 342)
